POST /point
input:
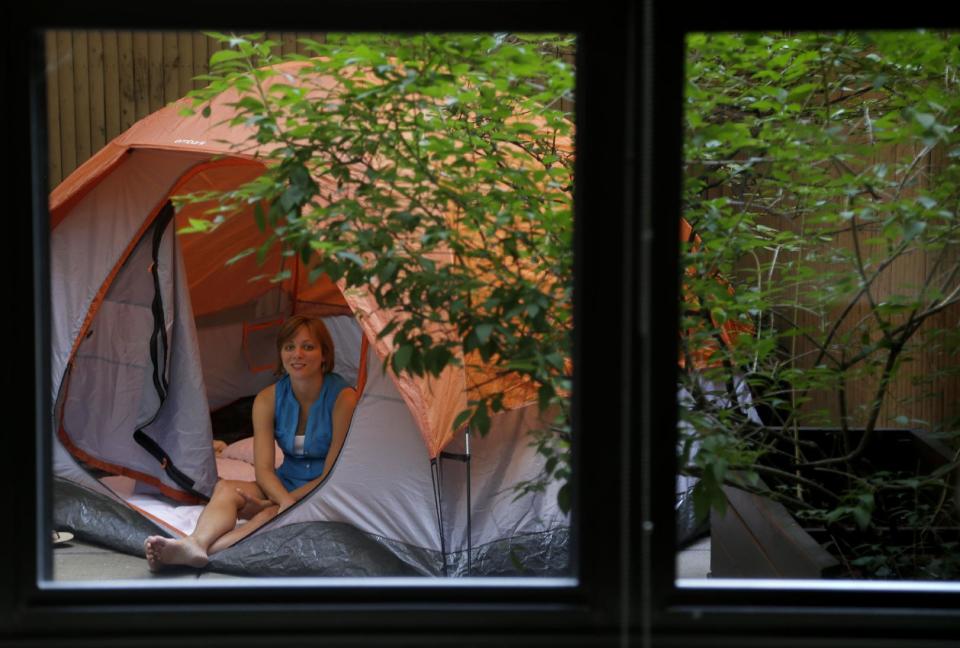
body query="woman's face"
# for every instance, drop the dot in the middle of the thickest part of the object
(301, 354)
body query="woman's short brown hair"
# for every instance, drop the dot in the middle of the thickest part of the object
(319, 332)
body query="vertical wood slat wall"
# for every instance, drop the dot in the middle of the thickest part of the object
(99, 83)
(920, 392)
(925, 399)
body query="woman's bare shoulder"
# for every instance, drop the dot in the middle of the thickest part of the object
(348, 393)
(346, 398)
(269, 390)
(265, 397)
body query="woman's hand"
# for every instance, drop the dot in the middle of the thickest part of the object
(251, 505)
(289, 499)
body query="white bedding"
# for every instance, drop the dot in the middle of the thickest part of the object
(235, 462)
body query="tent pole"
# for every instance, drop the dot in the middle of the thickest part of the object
(466, 436)
(465, 458)
(435, 476)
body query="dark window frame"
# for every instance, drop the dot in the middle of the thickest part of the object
(790, 615)
(630, 71)
(589, 612)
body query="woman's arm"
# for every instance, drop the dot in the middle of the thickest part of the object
(342, 415)
(264, 459)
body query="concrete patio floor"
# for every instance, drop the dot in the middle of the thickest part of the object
(694, 561)
(81, 561)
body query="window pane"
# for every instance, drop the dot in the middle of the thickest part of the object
(413, 194)
(818, 347)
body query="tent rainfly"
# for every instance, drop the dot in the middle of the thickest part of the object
(152, 331)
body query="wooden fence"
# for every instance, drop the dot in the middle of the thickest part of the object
(926, 389)
(920, 392)
(99, 83)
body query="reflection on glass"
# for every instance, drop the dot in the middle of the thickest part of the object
(821, 270)
(409, 197)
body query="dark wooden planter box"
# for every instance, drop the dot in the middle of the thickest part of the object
(758, 538)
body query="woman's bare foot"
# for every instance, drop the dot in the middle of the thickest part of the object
(162, 551)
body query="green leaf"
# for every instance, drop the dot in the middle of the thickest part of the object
(350, 256)
(242, 255)
(436, 359)
(563, 498)
(263, 250)
(481, 419)
(545, 394)
(913, 229)
(462, 418)
(222, 56)
(483, 332)
(925, 119)
(718, 501)
(280, 277)
(862, 517)
(551, 465)
(701, 501)
(401, 358)
(388, 329)
(199, 225)
(719, 469)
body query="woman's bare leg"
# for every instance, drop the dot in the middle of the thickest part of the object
(230, 538)
(219, 517)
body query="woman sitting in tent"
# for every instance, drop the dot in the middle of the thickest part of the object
(308, 412)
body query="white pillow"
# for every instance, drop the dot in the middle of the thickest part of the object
(243, 450)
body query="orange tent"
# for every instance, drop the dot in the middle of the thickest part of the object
(151, 331)
(218, 156)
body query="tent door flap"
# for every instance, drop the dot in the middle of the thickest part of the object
(159, 349)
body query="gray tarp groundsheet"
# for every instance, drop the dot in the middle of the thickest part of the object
(316, 548)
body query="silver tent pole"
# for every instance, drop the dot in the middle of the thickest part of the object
(466, 436)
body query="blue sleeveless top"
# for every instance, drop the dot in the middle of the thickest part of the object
(298, 469)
